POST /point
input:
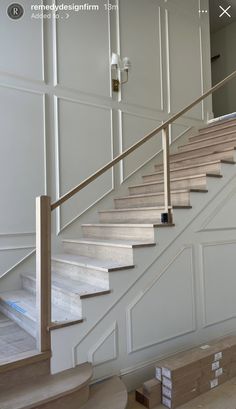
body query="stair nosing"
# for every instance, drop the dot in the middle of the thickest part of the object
(62, 324)
(90, 266)
(121, 225)
(109, 243)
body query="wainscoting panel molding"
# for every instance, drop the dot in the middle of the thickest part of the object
(132, 128)
(84, 139)
(106, 348)
(152, 318)
(217, 259)
(25, 53)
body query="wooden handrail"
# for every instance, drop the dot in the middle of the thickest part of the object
(132, 148)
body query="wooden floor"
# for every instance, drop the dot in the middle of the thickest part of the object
(13, 340)
(223, 397)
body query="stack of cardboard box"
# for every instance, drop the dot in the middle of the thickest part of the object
(150, 393)
(188, 374)
(180, 376)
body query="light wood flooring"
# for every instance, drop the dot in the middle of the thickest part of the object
(223, 397)
(13, 340)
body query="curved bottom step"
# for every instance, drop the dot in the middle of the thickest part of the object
(110, 394)
(68, 389)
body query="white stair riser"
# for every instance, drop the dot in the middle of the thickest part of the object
(117, 232)
(204, 142)
(28, 284)
(211, 168)
(228, 155)
(21, 319)
(64, 299)
(133, 216)
(75, 272)
(102, 252)
(197, 183)
(206, 149)
(177, 199)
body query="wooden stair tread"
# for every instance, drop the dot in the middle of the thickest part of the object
(141, 209)
(201, 155)
(130, 225)
(110, 394)
(205, 146)
(162, 193)
(24, 303)
(209, 138)
(67, 284)
(199, 176)
(198, 165)
(46, 388)
(114, 242)
(92, 263)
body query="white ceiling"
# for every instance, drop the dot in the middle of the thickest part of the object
(219, 22)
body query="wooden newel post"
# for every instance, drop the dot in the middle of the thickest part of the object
(43, 271)
(166, 165)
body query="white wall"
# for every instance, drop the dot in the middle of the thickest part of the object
(59, 118)
(223, 43)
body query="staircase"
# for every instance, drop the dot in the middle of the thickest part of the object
(84, 269)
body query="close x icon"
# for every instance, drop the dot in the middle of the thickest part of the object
(225, 11)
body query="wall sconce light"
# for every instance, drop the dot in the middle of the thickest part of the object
(119, 66)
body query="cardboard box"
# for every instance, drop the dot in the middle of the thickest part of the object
(227, 343)
(150, 401)
(214, 366)
(217, 350)
(211, 353)
(180, 400)
(184, 384)
(184, 363)
(209, 376)
(232, 370)
(152, 386)
(176, 394)
(180, 365)
(205, 386)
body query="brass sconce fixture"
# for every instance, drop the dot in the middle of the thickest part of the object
(119, 66)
